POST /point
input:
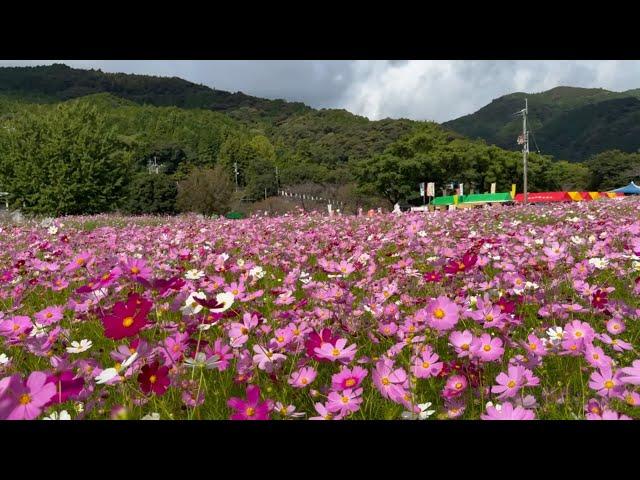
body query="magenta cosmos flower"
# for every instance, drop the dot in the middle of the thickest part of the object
(316, 340)
(507, 412)
(126, 319)
(251, 408)
(458, 266)
(25, 401)
(442, 314)
(154, 378)
(348, 378)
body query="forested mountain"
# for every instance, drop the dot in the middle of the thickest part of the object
(568, 122)
(77, 141)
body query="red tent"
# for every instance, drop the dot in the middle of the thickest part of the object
(544, 197)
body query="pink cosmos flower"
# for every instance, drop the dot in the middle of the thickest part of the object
(81, 260)
(605, 382)
(251, 408)
(631, 374)
(427, 364)
(487, 349)
(579, 331)
(535, 346)
(345, 402)
(455, 386)
(617, 344)
(49, 315)
(267, 359)
(303, 377)
(348, 378)
(510, 383)
(507, 412)
(127, 319)
(324, 413)
(337, 352)
(26, 400)
(607, 415)
(174, 348)
(239, 332)
(220, 350)
(137, 268)
(615, 326)
(389, 382)
(15, 327)
(461, 342)
(596, 357)
(442, 314)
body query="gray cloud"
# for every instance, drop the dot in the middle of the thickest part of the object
(419, 89)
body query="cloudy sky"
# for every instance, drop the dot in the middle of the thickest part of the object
(418, 89)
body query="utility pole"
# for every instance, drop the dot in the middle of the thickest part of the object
(235, 171)
(524, 140)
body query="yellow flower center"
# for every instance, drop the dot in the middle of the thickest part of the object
(426, 364)
(25, 399)
(511, 384)
(458, 385)
(573, 347)
(596, 356)
(615, 326)
(304, 381)
(106, 276)
(486, 348)
(244, 330)
(280, 338)
(385, 381)
(578, 334)
(250, 412)
(235, 291)
(80, 261)
(438, 313)
(465, 346)
(345, 400)
(350, 382)
(49, 315)
(630, 400)
(153, 379)
(135, 270)
(533, 346)
(609, 384)
(127, 322)
(335, 352)
(489, 318)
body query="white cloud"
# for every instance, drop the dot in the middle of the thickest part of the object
(437, 90)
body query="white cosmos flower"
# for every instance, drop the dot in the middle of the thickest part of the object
(226, 299)
(531, 285)
(151, 416)
(79, 347)
(190, 306)
(38, 330)
(573, 219)
(257, 272)
(538, 241)
(194, 274)
(592, 238)
(555, 334)
(599, 263)
(4, 359)
(52, 230)
(201, 361)
(64, 415)
(423, 415)
(111, 373)
(497, 406)
(224, 257)
(240, 262)
(577, 240)
(636, 266)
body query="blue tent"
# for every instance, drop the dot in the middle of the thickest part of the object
(631, 189)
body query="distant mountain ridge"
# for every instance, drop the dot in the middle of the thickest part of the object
(568, 122)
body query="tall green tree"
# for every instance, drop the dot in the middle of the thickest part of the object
(63, 160)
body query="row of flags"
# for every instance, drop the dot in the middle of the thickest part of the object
(304, 196)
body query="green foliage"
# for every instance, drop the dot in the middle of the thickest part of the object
(613, 169)
(207, 191)
(152, 194)
(63, 160)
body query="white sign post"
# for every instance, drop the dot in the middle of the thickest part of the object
(493, 187)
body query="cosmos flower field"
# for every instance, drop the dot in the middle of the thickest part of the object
(514, 313)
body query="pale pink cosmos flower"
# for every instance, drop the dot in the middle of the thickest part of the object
(461, 342)
(487, 349)
(26, 400)
(631, 375)
(267, 359)
(337, 352)
(303, 377)
(507, 412)
(442, 314)
(345, 402)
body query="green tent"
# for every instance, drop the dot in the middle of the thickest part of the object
(443, 200)
(487, 198)
(235, 215)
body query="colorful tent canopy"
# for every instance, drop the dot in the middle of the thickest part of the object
(540, 197)
(631, 189)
